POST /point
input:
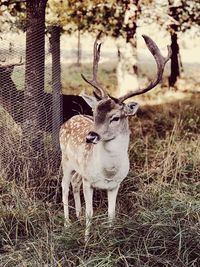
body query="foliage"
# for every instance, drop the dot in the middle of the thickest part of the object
(89, 15)
(182, 13)
(185, 13)
(12, 15)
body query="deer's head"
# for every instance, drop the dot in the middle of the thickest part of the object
(110, 114)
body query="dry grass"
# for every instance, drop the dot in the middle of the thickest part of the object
(158, 207)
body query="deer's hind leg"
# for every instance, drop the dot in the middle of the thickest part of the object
(76, 185)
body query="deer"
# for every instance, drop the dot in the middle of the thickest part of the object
(12, 100)
(8, 90)
(95, 148)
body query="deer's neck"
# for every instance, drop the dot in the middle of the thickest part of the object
(117, 145)
(111, 161)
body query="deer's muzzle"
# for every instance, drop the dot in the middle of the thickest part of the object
(92, 137)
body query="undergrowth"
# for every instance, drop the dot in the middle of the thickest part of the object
(158, 205)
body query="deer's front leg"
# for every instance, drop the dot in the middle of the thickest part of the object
(112, 196)
(88, 196)
(65, 193)
(67, 174)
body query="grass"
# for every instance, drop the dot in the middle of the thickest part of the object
(158, 206)
(74, 84)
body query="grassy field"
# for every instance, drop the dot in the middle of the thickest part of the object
(158, 206)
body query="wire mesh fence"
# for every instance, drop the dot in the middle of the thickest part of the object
(30, 112)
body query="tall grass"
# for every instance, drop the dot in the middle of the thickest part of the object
(158, 205)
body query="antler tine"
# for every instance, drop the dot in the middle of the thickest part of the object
(96, 57)
(160, 61)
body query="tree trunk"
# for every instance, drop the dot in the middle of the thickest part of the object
(175, 64)
(34, 75)
(79, 49)
(175, 67)
(127, 65)
(56, 83)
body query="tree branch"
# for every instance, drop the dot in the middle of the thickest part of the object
(10, 2)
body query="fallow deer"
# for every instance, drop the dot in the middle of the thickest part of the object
(8, 90)
(12, 100)
(95, 149)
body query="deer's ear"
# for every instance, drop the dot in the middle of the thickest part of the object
(131, 108)
(90, 100)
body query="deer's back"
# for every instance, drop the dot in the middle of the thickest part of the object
(73, 135)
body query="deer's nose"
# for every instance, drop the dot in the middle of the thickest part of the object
(92, 137)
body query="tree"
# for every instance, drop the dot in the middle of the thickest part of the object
(176, 16)
(116, 18)
(127, 66)
(175, 64)
(34, 73)
(30, 16)
(184, 15)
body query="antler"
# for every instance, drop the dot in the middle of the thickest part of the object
(160, 61)
(93, 82)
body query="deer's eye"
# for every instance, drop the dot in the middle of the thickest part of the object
(116, 118)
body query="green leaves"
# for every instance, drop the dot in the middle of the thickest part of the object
(88, 15)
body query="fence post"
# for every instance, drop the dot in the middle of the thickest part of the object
(56, 84)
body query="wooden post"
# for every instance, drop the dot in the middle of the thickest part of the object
(56, 84)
